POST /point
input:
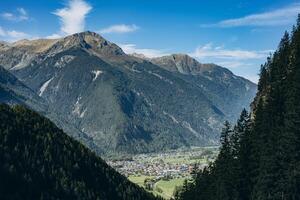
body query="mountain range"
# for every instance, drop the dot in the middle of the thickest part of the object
(117, 103)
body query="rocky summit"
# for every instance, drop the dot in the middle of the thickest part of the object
(118, 103)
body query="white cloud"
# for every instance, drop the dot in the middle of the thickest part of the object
(73, 16)
(22, 11)
(53, 36)
(229, 58)
(208, 51)
(253, 78)
(12, 35)
(282, 16)
(2, 32)
(8, 16)
(150, 53)
(233, 64)
(20, 15)
(16, 34)
(238, 60)
(119, 28)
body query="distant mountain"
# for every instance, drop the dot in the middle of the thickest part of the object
(183, 64)
(39, 161)
(230, 93)
(125, 104)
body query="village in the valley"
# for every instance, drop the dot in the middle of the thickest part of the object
(148, 169)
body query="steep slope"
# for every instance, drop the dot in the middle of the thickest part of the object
(39, 161)
(14, 92)
(230, 93)
(123, 103)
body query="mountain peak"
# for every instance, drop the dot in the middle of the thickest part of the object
(19, 54)
(85, 35)
(182, 63)
(93, 42)
(181, 56)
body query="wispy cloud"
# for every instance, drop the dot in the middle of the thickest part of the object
(281, 16)
(53, 36)
(209, 51)
(150, 53)
(2, 32)
(12, 35)
(238, 60)
(119, 28)
(73, 16)
(17, 34)
(253, 78)
(233, 64)
(20, 15)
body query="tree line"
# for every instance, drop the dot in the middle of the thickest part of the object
(40, 161)
(259, 157)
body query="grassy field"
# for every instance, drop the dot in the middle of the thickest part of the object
(139, 180)
(167, 187)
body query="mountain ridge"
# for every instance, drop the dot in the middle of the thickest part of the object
(183, 59)
(127, 104)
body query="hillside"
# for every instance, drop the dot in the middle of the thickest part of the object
(39, 161)
(14, 92)
(259, 157)
(123, 104)
(228, 92)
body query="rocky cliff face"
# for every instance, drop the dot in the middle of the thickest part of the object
(124, 104)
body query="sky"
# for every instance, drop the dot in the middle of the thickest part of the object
(236, 34)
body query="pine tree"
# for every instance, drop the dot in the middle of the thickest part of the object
(260, 158)
(224, 165)
(40, 161)
(292, 118)
(240, 145)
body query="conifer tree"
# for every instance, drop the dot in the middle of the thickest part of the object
(241, 156)
(260, 158)
(223, 165)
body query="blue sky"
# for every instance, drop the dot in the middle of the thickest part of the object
(236, 34)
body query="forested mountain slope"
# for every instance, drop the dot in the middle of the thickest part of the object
(39, 161)
(260, 155)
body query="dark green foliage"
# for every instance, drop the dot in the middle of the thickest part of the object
(260, 159)
(39, 161)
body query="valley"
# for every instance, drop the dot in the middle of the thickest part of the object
(161, 173)
(149, 100)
